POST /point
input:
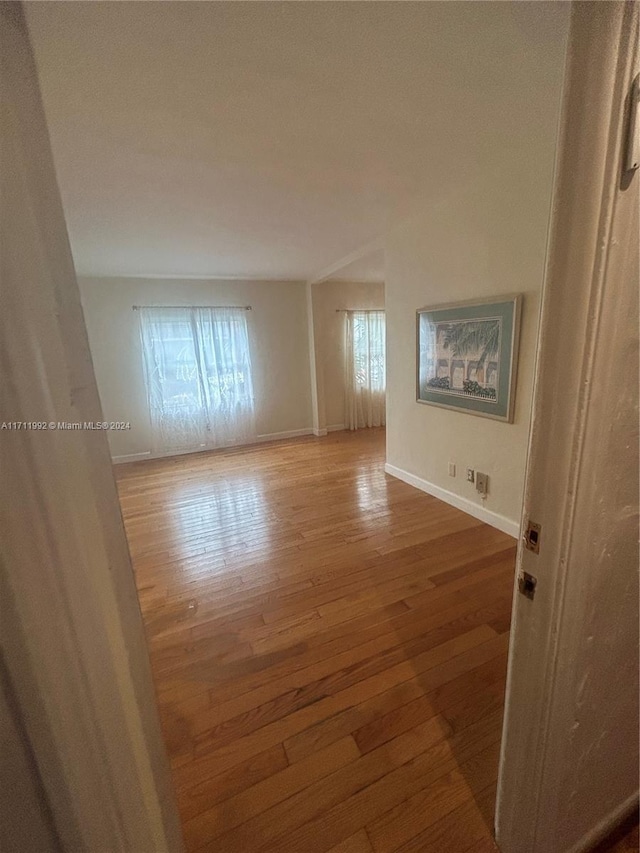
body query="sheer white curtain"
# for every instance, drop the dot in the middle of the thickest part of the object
(198, 376)
(365, 369)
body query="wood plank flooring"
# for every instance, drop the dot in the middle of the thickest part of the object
(328, 646)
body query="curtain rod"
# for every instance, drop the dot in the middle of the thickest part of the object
(360, 310)
(238, 307)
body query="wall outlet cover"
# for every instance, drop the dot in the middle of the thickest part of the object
(470, 475)
(482, 483)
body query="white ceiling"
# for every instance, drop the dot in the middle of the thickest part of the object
(268, 139)
(369, 267)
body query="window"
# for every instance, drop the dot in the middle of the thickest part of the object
(365, 369)
(198, 377)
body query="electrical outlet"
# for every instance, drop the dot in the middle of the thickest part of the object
(482, 483)
(452, 469)
(470, 475)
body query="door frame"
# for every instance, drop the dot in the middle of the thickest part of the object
(73, 649)
(594, 203)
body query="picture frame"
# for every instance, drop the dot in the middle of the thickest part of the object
(467, 356)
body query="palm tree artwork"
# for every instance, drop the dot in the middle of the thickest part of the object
(467, 357)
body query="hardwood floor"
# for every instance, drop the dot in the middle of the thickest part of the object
(328, 646)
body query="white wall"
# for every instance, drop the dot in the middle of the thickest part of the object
(472, 246)
(481, 239)
(328, 297)
(278, 340)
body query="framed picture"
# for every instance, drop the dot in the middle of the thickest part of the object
(467, 356)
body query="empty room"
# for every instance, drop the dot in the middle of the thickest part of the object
(319, 432)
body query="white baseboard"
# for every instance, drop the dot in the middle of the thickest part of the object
(319, 432)
(132, 457)
(270, 436)
(336, 428)
(290, 433)
(607, 825)
(501, 522)
(148, 454)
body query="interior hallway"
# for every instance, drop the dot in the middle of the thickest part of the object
(328, 646)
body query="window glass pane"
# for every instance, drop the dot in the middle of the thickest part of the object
(198, 376)
(369, 348)
(175, 359)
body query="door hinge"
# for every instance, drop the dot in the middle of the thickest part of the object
(527, 584)
(632, 141)
(532, 537)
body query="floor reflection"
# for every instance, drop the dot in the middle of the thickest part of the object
(371, 487)
(220, 519)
